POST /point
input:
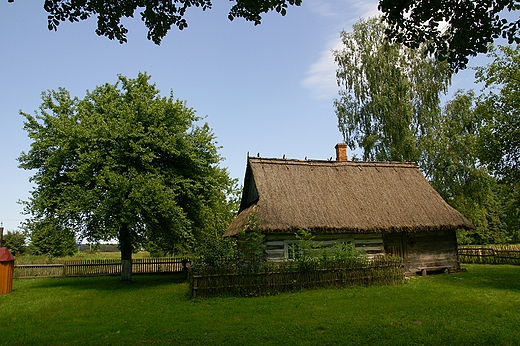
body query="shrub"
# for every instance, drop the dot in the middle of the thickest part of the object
(215, 253)
(48, 237)
(15, 242)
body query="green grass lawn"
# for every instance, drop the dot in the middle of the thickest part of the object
(478, 307)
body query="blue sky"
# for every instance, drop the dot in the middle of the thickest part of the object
(265, 89)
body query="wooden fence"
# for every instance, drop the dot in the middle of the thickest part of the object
(100, 267)
(489, 255)
(289, 276)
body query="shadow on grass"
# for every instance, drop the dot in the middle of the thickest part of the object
(111, 283)
(504, 277)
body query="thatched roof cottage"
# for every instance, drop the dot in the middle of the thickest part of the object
(381, 207)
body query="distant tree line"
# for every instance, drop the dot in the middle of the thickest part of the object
(98, 247)
(59, 245)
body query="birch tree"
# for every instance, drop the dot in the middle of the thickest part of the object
(389, 94)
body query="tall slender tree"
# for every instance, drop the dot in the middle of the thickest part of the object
(389, 94)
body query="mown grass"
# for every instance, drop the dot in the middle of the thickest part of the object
(478, 307)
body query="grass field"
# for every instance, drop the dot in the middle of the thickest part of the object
(477, 307)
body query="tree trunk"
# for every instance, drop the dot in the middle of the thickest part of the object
(126, 253)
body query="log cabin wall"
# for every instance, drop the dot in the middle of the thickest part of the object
(429, 251)
(433, 250)
(278, 245)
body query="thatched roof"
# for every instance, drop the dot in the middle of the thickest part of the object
(340, 197)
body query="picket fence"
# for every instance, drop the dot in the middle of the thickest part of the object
(290, 276)
(489, 255)
(100, 267)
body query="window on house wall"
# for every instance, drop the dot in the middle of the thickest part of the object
(276, 250)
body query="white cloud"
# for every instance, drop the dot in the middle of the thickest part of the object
(321, 75)
(344, 12)
(323, 8)
(365, 9)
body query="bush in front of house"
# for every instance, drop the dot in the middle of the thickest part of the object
(238, 268)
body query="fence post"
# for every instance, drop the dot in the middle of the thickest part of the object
(194, 287)
(185, 266)
(65, 269)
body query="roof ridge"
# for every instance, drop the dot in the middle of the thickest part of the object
(331, 162)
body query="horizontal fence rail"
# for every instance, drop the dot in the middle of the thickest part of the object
(100, 267)
(289, 277)
(488, 255)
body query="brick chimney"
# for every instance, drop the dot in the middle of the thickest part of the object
(341, 152)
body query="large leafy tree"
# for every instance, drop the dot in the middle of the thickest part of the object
(457, 169)
(500, 106)
(124, 163)
(453, 29)
(158, 15)
(389, 94)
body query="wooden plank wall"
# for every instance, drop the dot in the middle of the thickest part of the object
(278, 245)
(435, 249)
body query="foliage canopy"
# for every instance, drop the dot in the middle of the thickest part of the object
(390, 94)
(125, 163)
(390, 107)
(49, 237)
(457, 170)
(499, 106)
(15, 242)
(501, 103)
(158, 15)
(453, 29)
